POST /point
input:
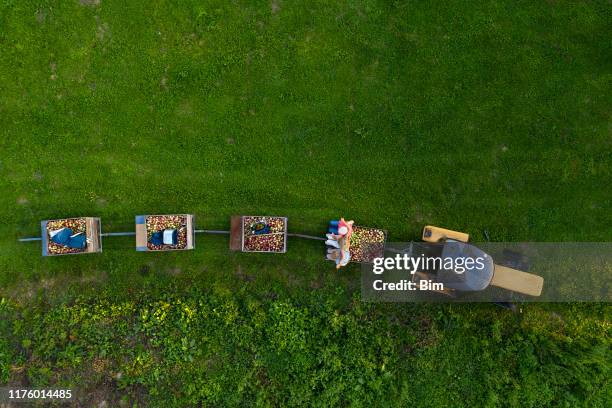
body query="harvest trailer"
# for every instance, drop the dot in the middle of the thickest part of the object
(68, 236)
(250, 233)
(165, 232)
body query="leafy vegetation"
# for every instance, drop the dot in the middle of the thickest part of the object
(226, 349)
(487, 117)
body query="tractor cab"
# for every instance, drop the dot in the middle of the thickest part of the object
(445, 262)
(466, 268)
(465, 276)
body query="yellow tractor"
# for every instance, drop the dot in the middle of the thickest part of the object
(454, 244)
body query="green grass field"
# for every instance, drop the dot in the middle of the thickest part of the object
(469, 115)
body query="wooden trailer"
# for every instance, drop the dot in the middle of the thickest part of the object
(88, 229)
(256, 233)
(367, 244)
(174, 232)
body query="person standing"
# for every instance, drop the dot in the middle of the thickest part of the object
(339, 239)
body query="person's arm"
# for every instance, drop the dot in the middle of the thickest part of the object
(344, 247)
(341, 254)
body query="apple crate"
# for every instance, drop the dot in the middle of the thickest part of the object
(367, 244)
(170, 232)
(263, 234)
(83, 230)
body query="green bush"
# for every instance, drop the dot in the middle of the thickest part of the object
(218, 348)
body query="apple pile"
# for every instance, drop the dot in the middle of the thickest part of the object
(75, 224)
(367, 244)
(273, 241)
(157, 223)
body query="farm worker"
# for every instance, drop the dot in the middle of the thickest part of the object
(339, 229)
(341, 257)
(345, 226)
(345, 253)
(339, 239)
(332, 241)
(333, 254)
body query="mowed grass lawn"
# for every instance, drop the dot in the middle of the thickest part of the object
(477, 116)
